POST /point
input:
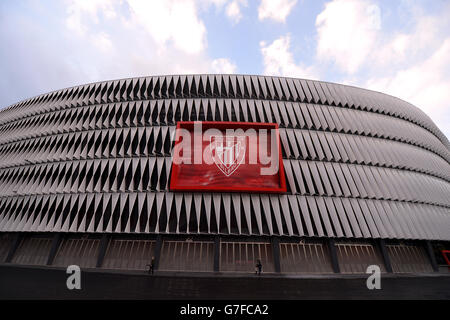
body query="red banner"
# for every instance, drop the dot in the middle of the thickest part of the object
(227, 156)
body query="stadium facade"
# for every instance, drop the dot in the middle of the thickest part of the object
(85, 179)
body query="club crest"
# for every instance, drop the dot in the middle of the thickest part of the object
(228, 152)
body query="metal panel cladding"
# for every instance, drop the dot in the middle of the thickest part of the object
(97, 158)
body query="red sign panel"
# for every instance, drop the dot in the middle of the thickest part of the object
(446, 254)
(227, 156)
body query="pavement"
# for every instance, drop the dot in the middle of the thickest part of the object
(28, 282)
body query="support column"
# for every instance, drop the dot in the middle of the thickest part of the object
(276, 254)
(17, 238)
(57, 238)
(333, 256)
(102, 250)
(216, 253)
(429, 249)
(158, 247)
(384, 253)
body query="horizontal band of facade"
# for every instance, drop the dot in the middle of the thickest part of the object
(224, 213)
(217, 254)
(168, 112)
(222, 86)
(153, 173)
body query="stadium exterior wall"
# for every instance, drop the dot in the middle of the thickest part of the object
(94, 161)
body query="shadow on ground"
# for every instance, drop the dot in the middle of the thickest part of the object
(18, 282)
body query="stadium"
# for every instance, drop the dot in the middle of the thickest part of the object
(87, 177)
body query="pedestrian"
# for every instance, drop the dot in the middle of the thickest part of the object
(258, 267)
(151, 266)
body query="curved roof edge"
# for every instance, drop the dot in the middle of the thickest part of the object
(433, 128)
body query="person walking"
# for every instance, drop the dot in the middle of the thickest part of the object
(258, 267)
(151, 266)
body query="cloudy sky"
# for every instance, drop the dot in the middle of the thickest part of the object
(399, 47)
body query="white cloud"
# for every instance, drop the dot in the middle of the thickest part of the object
(173, 37)
(140, 37)
(413, 65)
(167, 36)
(276, 10)
(426, 85)
(176, 21)
(223, 65)
(102, 41)
(347, 31)
(88, 41)
(278, 60)
(233, 10)
(79, 9)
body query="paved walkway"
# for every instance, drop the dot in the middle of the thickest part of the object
(20, 282)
